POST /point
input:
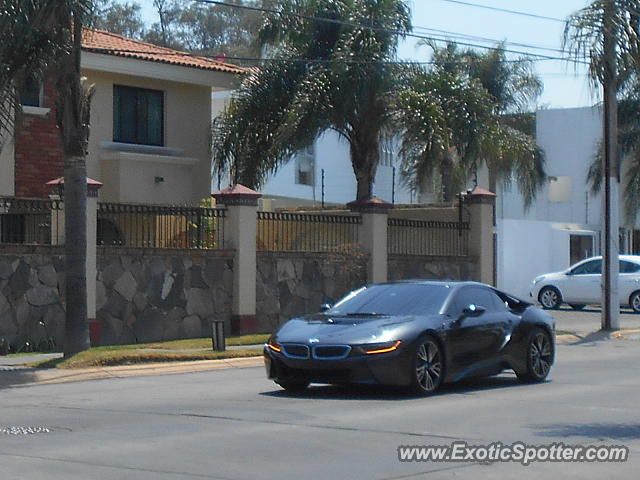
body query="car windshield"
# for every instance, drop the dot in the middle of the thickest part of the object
(393, 299)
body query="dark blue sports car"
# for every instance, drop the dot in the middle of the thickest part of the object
(417, 334)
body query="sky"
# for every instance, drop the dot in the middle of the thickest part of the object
(564, 86)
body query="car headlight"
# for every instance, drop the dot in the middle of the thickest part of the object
(276, 347)
(538, 279)
(375, 348)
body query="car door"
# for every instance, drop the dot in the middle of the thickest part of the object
(473, 341)
(583, 284)
(629, 280)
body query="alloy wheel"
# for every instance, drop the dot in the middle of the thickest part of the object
(540, 355)
(635, 302)
(549, 298)
(428, 366)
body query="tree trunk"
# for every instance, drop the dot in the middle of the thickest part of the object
(75, 204)
(365, 154)
(73, 106)
(493, 178)
(450, 185)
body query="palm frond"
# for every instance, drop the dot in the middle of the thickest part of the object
(34, 34)
(584, 33)
(632, 190)
(285, 105)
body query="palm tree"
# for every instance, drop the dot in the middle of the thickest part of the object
(322, 75)
(584, 39)
(478, 99)
(37, 34)
(439, 112)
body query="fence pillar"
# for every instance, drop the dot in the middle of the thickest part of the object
(240, 233)
(58, 237)
(481, 204)
(373, 235)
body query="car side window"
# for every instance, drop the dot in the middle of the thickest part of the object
(589, 268)
(629, 267)
(499, 304)
(475, 295)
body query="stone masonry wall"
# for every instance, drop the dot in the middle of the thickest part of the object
(290, 284)
(405, 267)
(148, 298)
(31, 282)
(140, 297)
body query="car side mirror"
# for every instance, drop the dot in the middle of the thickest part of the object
(325, 307)
(473, 310)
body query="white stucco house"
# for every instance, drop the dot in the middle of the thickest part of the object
(564, 223)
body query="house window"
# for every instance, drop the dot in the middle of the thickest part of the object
(31, 92)
(138, 115)
(560, 189)
(305, 166)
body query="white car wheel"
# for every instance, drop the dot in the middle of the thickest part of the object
(549, 298)
(634, 301)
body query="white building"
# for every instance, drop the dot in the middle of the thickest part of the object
(564, 223)
(326, 166)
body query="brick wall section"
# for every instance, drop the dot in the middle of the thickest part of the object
(38, 155)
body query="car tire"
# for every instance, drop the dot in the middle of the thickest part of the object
(539, 357)
(634, 301)
(428, 366)
(294, 386)
(577, 306)
(550, 298)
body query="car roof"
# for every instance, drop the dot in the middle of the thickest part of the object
(632, 258)
(445, 283)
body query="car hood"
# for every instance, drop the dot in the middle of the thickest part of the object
(338, 329)
(550, 276)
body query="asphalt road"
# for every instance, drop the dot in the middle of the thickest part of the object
(234, 424)
(588, 320)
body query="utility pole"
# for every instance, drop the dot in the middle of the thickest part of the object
(610, 239)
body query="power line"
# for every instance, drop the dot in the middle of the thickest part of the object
(382, 29)
(489, 40)
(505, 10)
(221, 59)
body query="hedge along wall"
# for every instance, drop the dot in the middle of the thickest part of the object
(147, 296)
(405, 267)
(31, 291)
(290, 284)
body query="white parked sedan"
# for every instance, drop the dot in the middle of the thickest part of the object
(581, 284)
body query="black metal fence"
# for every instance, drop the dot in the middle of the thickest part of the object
(160, 226)
(32, 221)
(304, 232)
(420, 237)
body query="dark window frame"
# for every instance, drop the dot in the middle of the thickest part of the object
(580, 269)
(139, 119)
(625, 264)
(31, 89)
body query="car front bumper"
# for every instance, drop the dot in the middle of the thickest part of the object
(393, 368)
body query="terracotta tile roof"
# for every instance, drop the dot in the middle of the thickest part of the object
(99, 41)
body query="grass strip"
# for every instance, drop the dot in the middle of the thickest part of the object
(108, 356)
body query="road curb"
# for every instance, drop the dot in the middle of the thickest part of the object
(42, 376)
